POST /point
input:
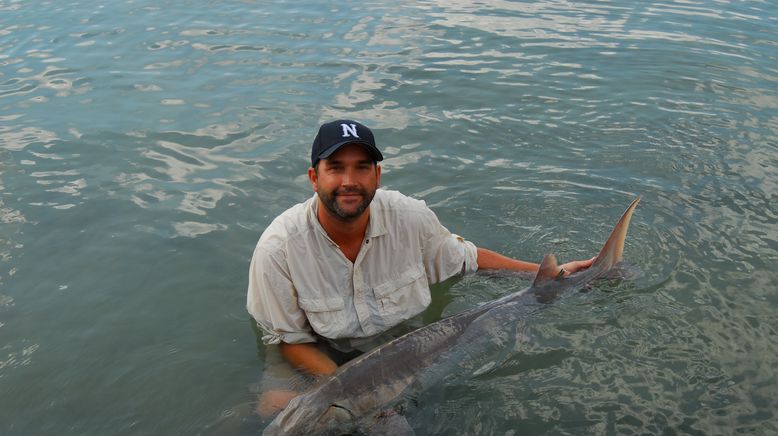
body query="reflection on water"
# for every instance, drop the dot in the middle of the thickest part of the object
(144, 147)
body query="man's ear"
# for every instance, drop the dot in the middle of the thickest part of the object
(314, 179)
(378, 175)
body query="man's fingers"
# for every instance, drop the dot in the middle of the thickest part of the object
(273, 401)
(575, 266)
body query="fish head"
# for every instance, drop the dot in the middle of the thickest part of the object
(317, 412)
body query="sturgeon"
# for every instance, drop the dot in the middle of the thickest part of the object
(358, 395)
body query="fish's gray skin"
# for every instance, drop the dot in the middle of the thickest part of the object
(361, 389)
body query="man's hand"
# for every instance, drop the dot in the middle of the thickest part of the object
(272, 402)
(578, 265)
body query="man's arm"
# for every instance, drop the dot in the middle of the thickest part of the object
(488, 259)
(308, 358)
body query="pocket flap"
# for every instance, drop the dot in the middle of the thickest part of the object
(321, 304)
(409, 276)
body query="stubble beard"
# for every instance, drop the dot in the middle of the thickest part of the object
(330, 202)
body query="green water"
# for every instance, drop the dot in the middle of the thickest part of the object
(144, 146)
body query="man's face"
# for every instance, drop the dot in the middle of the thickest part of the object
(346, 182)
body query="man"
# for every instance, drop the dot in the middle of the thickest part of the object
(330, 275)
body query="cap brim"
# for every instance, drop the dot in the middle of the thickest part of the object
(377, 156)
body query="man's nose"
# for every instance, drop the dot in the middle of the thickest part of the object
(349, 176)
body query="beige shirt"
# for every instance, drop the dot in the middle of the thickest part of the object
(301, 285)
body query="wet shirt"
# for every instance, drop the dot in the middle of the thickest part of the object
(301, 286)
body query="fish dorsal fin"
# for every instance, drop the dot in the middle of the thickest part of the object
(548, 271)
(611, 252)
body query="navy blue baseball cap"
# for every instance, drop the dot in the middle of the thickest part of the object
(336, 134)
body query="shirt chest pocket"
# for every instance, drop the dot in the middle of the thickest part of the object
(325, 315)
(404, 296)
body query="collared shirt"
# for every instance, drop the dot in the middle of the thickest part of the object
(302, 286)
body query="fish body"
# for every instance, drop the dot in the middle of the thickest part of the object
(360, 392)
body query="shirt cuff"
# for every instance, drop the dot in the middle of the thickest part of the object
(272, 337)
(470, 264)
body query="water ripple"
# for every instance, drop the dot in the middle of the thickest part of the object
(144, 147)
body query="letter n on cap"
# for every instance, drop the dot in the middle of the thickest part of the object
(349, 130)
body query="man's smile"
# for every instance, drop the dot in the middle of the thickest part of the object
(349, 194)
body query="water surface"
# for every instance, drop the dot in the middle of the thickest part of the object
(144, 146)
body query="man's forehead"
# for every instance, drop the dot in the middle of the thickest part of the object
(350, 151)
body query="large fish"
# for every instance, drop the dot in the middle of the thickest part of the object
(359, 394)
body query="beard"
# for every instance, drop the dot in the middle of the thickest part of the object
(330, 202)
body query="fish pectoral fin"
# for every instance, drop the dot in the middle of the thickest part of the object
(548, 271)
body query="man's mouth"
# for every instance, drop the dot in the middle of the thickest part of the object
(349, 194)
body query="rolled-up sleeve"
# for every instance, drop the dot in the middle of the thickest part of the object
(446, 254)
(272, 300)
